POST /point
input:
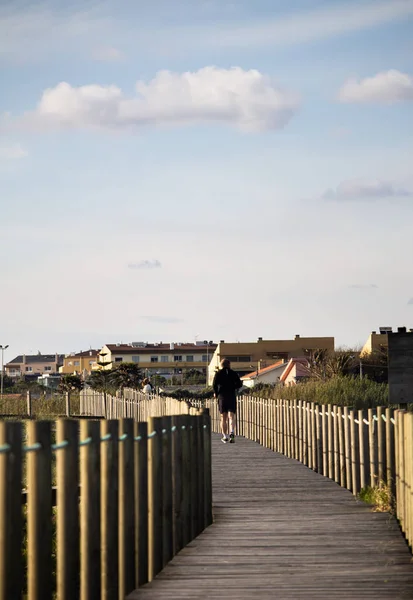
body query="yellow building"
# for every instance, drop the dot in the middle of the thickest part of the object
(378, 341)
(161, 359)
(79, 363)
(246, 357)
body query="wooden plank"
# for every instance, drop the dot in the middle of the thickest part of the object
(288, 533)
(11, 522)
(68, 533)
(90, 509)
(39, 510)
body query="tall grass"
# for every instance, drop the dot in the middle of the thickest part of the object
(44, 407)
(343, 391)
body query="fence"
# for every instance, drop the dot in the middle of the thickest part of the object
(355, 448)
(145, 492)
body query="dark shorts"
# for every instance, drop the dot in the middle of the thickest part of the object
(227, 404)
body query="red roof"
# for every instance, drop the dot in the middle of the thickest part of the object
(255, 374)
(291, 363)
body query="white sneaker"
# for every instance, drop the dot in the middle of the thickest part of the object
(224, 439)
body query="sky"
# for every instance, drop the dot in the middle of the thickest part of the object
(204, 169)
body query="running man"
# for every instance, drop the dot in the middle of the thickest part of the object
(226, 383)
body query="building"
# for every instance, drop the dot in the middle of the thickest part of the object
(161, 359)
(295, 371)
(376, 342)
(33, 364)
(268, 375)
(79, 363)
(247, 357)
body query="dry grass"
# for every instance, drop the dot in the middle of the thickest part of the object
(45, 407)
(380, 497)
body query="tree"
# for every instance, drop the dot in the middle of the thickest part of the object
(126, 375)
(99, 380)
(325, 365)
(70, 383)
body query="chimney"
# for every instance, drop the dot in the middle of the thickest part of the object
(260, 339)
(297, 336)
(401, 330)
(373, 333)
(24, 359)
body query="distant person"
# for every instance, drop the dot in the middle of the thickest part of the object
(147, 387)
(226, 383)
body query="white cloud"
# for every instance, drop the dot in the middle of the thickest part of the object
(13, 152)
(107, 54)
(388, 87)
(248, 100)
(366, 190)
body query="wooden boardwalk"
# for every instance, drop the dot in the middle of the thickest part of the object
(282, 531)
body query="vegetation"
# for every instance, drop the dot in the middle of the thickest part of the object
(380, 497)
(341, 390)
(48, 406)
(70, 383)
(126, 375)
(183, 394)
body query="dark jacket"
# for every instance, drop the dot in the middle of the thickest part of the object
(226, 382)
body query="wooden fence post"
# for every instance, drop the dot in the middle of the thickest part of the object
(341, 446)
(347, 448)
(11, 521)
(127, 515)
(381, 440)
(155, 495)
(68, 532)
(141, 502)
(390, 446)
(372, 448)
(109, 448)
(167, 502)
(90, 509)
(29, 403)
(67, 402)
(177, 486)
(186, 480)
(39, 510)
(361, 445)
(330, 438)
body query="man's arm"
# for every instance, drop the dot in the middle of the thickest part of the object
(238, 382)
(215, 384)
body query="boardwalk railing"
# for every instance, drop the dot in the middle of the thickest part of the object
(145, 492)
(355, 448)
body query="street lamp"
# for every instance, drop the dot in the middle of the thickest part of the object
(2, 348)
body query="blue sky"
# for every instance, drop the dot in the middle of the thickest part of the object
(221, 169)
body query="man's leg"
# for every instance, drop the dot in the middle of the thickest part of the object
(224, 424)
(232, 417)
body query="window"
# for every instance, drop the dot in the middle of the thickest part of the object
(118, 359)
(164, 358)
(76, 363)
(29, 369)
(204, 358)
(135, 359)
(190, 358)
(238, 358)
(48, 368)
(178, 358)
(154, 359)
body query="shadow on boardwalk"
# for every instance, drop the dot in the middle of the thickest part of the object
(282, 531)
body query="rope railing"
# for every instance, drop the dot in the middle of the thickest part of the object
(128, 495)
